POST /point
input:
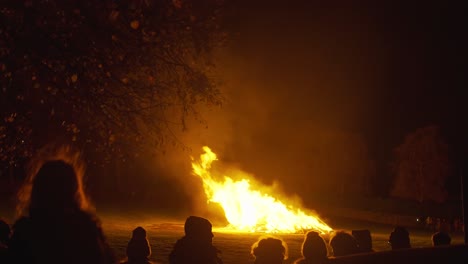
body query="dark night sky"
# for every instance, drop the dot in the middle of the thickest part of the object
(402, 61)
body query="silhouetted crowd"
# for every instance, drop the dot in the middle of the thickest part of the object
(436, 223)
(57, 226)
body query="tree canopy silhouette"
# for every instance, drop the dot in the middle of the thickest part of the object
(422, 166)
(107, 75)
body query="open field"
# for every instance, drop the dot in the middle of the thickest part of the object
(163, 233)
(235, 247)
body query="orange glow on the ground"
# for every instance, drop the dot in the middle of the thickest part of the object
(250, 210)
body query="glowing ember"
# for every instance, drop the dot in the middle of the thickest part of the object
(250, 210)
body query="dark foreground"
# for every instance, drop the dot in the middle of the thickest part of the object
(235, 247)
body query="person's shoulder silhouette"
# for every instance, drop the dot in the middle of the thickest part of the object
(57, 227)
(196, 246)
(269, 250)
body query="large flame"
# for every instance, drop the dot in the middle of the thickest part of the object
(250, 210)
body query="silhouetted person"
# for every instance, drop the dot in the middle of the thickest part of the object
(314, 249)
(196, 246)
(138, 248)
(269, 250)
(399, 238)
(343, 244)
(440, 239)
(363, 239)
(4, 240)
(56, 227)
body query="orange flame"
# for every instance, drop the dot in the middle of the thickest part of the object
(250, 210)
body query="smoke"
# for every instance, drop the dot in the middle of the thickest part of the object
(299, 92)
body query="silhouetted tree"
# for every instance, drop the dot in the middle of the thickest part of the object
(421, 166)
(106, 74)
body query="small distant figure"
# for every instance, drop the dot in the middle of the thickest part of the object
(314, 249)
(399, 238)
(138, 248)
(441, 239)
(363, 239)
(429, 223)
(196, 246)
(269, 250)
(343, 244)
(445, 226)
(4, 240)
(456, 224)
(438, 222)
(57, 225)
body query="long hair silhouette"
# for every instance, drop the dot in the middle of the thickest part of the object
(54, 182)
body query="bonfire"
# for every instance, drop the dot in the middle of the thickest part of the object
(247, 209)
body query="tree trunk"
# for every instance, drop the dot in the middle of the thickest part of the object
(464, 194)
(118, 175)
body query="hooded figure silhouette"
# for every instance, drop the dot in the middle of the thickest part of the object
(196, 246)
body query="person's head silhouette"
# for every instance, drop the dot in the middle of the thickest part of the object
(139, 233)
(399, 238)
(54, 188)
(196, 246)
(269, 250)
(198, 228)
(314, 247)
(364, 240)
(343, 244)
(440, 239)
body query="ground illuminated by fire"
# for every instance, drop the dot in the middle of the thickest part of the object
(235, 247)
